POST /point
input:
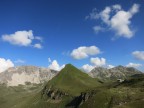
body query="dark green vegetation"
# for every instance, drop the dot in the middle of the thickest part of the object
(74, 89)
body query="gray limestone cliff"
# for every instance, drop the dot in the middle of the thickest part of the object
(23, 74)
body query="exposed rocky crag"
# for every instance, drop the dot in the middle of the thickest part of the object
(119, 72)
(22, 74)
(79, 100)
(54, 94)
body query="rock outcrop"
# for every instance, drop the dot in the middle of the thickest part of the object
(79, 100)
(53, 94)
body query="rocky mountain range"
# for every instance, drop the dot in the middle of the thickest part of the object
(119, 72)
(71, 88)
(22, 74)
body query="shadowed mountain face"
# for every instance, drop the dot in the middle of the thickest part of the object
(119, 72)
(22, 74)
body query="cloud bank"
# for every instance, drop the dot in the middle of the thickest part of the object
(5, 64)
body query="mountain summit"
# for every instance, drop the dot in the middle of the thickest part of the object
(72, 80)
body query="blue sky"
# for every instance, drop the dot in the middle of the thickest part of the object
(102, 32)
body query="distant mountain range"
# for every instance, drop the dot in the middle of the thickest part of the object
(32, 74)
(23, 74)
(119, 72)
(72, 88)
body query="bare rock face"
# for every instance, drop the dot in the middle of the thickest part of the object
(119, 72)
(79, 100)
(23, 74)
(53, 94)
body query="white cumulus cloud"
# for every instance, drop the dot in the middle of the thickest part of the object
(5, 64)
(87, 67)
(135, 65)
(39, 38)
(138, 55)
(117, 19)
(55, 65)
(98, 29)
(84, 52)
(95, 62)
(116, 7)
(98, 61)
(21, 38)
(38, 45)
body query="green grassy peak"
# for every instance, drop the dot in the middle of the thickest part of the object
(72, 80)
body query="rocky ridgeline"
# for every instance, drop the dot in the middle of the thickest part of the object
(23, 74)
(119, 72)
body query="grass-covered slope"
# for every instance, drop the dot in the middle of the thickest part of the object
(70, 80)
(128, 94)
(72, 88)
(18, 96)
(73, 81)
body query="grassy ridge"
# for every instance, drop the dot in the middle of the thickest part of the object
(72, 80)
